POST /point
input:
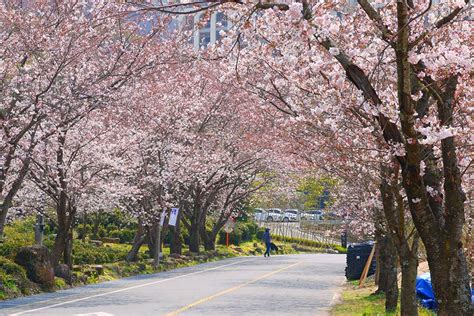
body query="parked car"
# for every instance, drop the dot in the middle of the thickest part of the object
(291, 215)
(312, 215)
(274, 215)
(260, 215)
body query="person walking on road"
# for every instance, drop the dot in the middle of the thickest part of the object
(267, 239)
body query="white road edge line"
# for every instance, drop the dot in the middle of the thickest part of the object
(129, 288)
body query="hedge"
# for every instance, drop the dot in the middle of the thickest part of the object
(125, 235)
(85, 253)
(309, 243)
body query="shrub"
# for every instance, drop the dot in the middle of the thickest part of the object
(59, 283)
(13, 280)
(85, 253)
(11, 267)
(102, 232)
(17, 234)
(167, 237)
(111, 227)
(25, 226)
(253, 228)
(260, 232)
(50, 228)
(125, 235)
(84, 230)
(243, 232)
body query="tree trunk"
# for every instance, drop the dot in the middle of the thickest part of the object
(210, 244)
(176, 246)
(194, 237)
(8, 198)
(4, 207)
(210, 241)
(448, 266)
(157, 243)
(450, 279)
(62, 247)
(197, 218)
(377, 259)
(132, 255)
(450, 273)
(59, 245)
(385, 262)
(387, 265)
(67, 254)
(409, 264)
(3, 217)
(443, 243)
(138, 241)
(150, 240)
(388, 272)
(208, 237)
(388, 251)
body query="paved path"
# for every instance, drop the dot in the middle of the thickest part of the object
(280, 285)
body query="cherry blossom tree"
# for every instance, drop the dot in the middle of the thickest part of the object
(72, 169)
(190, 145)
(401, 65)
(376, 96)
(75, 59)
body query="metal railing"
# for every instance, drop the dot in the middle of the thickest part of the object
(326, 232)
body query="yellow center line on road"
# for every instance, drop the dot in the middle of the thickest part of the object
(130, 287)
(235, 288)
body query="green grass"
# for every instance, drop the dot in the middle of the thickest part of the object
(359, 301)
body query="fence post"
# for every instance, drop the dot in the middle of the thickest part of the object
(344, 239)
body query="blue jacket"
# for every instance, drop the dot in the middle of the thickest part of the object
(266, 237)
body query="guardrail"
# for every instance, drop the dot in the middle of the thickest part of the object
(321, 231)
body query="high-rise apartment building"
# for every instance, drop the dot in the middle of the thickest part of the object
(202, 35)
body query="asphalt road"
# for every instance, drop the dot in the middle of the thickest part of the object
(280, 285)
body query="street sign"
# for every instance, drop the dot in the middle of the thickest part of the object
(173, 216)
(162, 218)
(229, 225)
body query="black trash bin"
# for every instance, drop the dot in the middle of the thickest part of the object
(357, 256)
